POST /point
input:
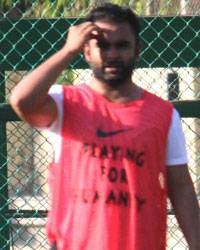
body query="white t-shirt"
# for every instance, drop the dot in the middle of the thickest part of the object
(175, 153)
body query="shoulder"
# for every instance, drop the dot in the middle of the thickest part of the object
(75, 93)
(157, 107)
(152, 98)
(58, 92)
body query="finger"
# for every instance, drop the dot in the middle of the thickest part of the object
(96, 33)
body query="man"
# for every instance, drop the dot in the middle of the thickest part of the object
(119, 150)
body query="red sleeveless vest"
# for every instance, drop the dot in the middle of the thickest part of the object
(109, 187)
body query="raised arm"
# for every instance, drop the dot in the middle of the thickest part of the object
(185, 204)
(30, 99)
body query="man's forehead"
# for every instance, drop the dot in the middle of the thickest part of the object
(114, 31)
(106, 26)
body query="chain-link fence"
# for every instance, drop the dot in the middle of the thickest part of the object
(30, 31)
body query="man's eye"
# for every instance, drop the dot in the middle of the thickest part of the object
(123, 45)
(102, 45)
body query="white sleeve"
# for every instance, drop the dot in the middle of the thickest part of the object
(176, 148)
(54, 130)
(56, 92)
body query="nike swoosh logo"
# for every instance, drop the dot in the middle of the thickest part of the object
(103, 134)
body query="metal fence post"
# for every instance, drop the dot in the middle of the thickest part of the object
(4, 226)
(173, 86)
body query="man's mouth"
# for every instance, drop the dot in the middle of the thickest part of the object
(111, 68)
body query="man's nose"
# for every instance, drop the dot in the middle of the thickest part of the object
(112, 53)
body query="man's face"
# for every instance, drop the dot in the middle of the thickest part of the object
(112, 53)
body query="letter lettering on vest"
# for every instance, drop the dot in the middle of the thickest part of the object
(103, 170)
(114, 152)
(140, 159)
(123, 178)
(113, 174)
(96, 197)
(111, 198)
(130, 155)
(93, 150)
(124, 198)
(104, 152)
(140, 203)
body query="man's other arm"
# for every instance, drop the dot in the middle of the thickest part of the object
(185, 203)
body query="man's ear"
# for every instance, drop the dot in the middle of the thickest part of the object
(86, 51)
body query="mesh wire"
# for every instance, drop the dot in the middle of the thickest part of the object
(26, 152)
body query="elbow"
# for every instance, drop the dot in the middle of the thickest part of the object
(18, 104)
(14, 102)
(21, 108)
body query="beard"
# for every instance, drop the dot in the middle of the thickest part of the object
(121, 74)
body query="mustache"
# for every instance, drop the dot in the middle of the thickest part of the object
(113, 63)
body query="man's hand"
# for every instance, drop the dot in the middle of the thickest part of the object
(79, 35)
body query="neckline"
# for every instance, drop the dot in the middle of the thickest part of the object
(116, 105)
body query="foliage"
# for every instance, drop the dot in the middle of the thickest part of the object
(169, 7)
(69, 8)
(65, 8)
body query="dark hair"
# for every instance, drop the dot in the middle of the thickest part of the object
(117, 14)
